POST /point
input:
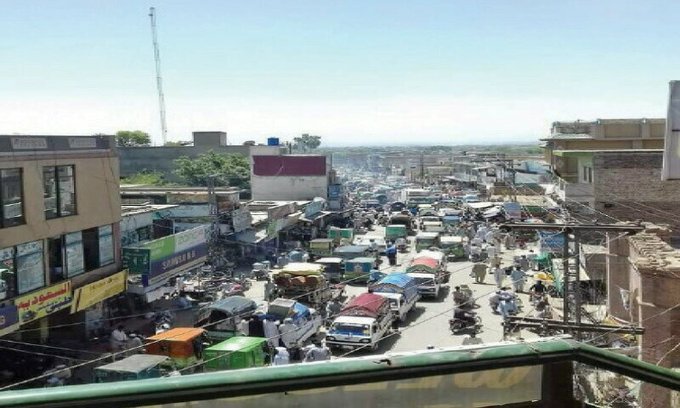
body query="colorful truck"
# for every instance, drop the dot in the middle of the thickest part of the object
(362, 323)
(401, 290)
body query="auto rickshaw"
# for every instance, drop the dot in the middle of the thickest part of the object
(236, 353)
(357, 270)
(425, 240)
(135, 367)
(452, 247)
(184, 345)
(221, 318)
(261, 270)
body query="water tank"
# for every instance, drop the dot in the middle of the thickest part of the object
(273, 141)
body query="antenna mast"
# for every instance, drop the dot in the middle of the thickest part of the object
(159, 80)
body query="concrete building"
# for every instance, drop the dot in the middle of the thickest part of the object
(59, 245)
(643, 286)
(161, 158)
(290, 177)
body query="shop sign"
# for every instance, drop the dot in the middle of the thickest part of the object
(44, 302)
(160, 248)
(334, 191)
(137, 260)
(89, 295)
(189, 238)
(174, 262)
(314, 207)
(9, 317)
(551, 241)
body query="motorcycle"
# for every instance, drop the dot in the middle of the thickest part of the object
(458, 325)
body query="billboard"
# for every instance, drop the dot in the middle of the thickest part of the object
(156, 258)
(551, 241)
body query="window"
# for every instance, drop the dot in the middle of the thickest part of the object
(55, 259)
(587, 174)
(91, 248)
(29, 266)
(75, 262)
(59, 191)
(11, 198)
(8, 281)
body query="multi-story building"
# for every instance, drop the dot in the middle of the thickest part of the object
(569, 150)
(59, 231)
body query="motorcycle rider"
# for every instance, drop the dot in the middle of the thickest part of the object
(468, 318)
(460, 298)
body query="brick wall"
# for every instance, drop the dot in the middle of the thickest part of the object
(628, 186)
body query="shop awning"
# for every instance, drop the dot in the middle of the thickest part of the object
(251, 236)
(480, 206)
(315, 217)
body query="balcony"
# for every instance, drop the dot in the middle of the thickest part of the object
(574, 191)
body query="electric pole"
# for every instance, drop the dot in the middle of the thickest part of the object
(159, 80)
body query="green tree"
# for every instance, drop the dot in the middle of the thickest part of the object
(306, 142)
(145, 177)
(228, 169)
(132, 138)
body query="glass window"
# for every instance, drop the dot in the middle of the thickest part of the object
(50, 192)
(91, 248)
(55, 259)
(67, 190)
(59, 191)
(8, 281)
(30, 269)
(11, 197)
(75, 264)
(106, 245)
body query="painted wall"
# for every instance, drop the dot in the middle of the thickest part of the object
(289, 188)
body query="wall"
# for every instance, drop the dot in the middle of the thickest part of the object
(136, 159)
(289, 188)
(630, 185)
(97, 198)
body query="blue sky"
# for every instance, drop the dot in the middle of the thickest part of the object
(354, 72)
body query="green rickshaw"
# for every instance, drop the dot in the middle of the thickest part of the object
(237, 352)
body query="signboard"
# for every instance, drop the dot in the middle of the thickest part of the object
(29, 143)
(159, 269)
(9, 317)
(551, 241)
(82, 142)
(44, 302)
(314, 207)
(334, 191)
(189, 239)
(89, 295)
(136, 260)
(241, 219)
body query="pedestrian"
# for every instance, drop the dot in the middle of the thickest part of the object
(118, 339)
(271, 332)
(269, 290)
(479, 271)
(281, 356)
(498, 275)
(524, 263)
(391, 253)
(255, 327)
(531, 257)
(510, 241)
(491, 251)
(318, 352)
(288, 333)
(518, 275)
(243, 326)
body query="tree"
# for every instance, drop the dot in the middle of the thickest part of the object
(229, 169)
(132, 138)
(306, 142)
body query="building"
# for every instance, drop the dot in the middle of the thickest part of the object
(59, 240)
(289, 177)
(643, 286)
(568, 148)
(161, 159)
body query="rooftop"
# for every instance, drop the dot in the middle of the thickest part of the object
(129, 210)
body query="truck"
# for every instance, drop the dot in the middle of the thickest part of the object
(307, 320)
(401, 290)
(304, 282)
(394, 231)
(429, 270)
(362, 323)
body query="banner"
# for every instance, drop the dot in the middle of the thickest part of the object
(189, 239)
(44, 302)
(89, 295)
(166, 267)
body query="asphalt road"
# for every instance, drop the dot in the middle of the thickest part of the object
(428, 324)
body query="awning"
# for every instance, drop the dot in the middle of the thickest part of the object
(315, 217)
(494, 212)
(251, 236)
(480, 206)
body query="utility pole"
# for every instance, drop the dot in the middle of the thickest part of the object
(569, 286)
(159, 80)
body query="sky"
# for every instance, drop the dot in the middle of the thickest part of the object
(354, 72)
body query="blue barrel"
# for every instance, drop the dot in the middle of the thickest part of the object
(273, 141)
